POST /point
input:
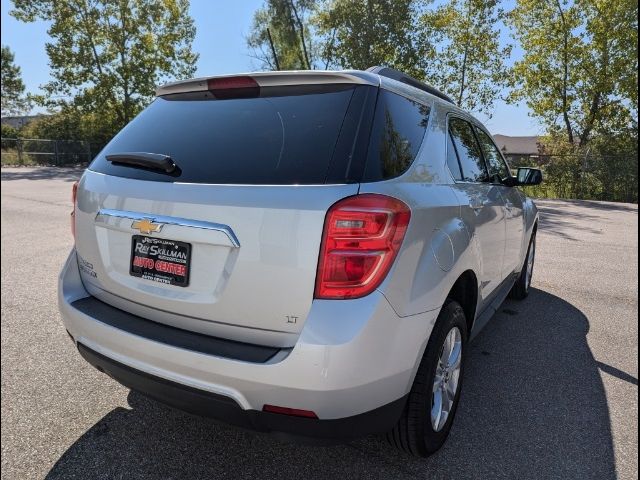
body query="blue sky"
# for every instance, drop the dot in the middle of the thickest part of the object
(220, 39)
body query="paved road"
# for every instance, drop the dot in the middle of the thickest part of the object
(551, 388)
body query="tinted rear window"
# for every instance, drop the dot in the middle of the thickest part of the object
(493, 158)
(468, 149)
(265, 140)
(452, 159)
(396, 135)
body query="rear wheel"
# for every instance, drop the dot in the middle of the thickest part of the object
(433, 400)
(521, 288)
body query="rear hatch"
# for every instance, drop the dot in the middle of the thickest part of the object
(226, 242)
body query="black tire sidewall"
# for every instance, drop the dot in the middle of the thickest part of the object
(521, 287)
(452, 315)
(532, 243)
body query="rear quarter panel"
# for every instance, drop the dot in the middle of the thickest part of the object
(437, 247)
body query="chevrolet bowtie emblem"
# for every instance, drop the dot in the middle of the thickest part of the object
(146, 226)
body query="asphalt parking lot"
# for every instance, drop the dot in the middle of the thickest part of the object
(551, 384)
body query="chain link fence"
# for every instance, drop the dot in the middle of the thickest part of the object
(612, 177)
(609, 177)
(39, 151)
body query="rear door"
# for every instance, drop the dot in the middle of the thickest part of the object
(228, 243)
(513, 204)
(481, 202)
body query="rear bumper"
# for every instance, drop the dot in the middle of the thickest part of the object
(223, 408)
(353, 358)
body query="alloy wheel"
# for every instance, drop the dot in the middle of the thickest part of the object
(447, 379)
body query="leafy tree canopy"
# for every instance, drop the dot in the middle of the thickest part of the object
(281, 36)
(454, 47)
(13, 101)
(579, 72)
(362, 34)
(468, 63)
(107, 56)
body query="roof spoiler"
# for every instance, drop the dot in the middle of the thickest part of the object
(270, 79)
(404, 78)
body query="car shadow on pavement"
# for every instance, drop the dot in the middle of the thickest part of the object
(533, 406)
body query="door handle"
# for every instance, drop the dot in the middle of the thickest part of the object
(476, 206)
(508, 205)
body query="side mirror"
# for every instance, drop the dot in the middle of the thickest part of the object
(529, 176)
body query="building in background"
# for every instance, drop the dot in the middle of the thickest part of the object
(519, 150)
(19, 121)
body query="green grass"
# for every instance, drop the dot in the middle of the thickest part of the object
(11, 158)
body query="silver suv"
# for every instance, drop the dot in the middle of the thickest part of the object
(301, 253)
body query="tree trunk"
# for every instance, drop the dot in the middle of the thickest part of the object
(463, 72)
(370, 61)
(591, 119)
(596, 103)
(273, 50)
(294, 33)
(302, 38)
(565, 76)
(329, 49)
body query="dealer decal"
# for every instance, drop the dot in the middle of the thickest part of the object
(161, 260)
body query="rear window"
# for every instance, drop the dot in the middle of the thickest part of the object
(265, 140)
(496, 165)
(468, 149)
(452, 159)
(398, 128)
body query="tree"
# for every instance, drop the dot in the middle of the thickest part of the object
(579, 72)
(469, 63)
(107, 56)
(7, 131)
(70, 124)
(373, 32)
(281, 36)
(13, 101)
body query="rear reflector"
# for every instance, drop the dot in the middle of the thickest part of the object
(361, 238)
(233, 87)
(294, 412)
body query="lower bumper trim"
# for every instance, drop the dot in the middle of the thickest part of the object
(225, 409)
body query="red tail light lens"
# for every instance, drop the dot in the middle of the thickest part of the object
(233, 87)
(362, 236)
(74, 194)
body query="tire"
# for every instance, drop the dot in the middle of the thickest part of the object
(520, 289)
(415, 433)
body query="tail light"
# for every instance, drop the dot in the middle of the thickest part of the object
(233, 87)
(362, 236)
(74, 194)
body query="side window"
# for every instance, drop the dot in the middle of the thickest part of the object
(495, 163)
(452, 159)
(398, 128)
(469, 152)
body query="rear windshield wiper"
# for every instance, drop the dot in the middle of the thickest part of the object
(151, 161)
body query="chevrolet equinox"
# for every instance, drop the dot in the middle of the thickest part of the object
(304, 253)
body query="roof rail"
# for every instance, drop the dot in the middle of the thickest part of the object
(404, 78)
